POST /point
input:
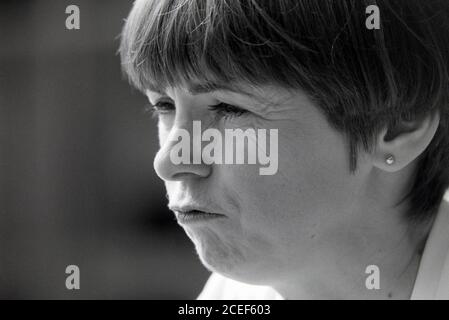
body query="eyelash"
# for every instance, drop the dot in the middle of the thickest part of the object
(225, 110)
(222, 109)
(161, 107)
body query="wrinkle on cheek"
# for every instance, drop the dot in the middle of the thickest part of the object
(233, 198)
(244, 122)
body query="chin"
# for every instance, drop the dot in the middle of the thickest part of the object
(230, 261)
(238, 258)
(218, 255)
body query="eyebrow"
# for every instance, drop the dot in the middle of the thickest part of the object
(200, 88)
(196, 89)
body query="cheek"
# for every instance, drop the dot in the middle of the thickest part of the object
(326, 171)
(313, 182)
(317, 169)
(263, 203)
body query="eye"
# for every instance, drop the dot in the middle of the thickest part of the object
(227, 110)
(162, 107)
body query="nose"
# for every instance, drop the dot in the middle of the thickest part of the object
(169, 170)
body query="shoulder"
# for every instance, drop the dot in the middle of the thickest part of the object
(219, 287)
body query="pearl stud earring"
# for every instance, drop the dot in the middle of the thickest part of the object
(390, 159)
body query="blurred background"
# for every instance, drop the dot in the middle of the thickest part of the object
(76, 150)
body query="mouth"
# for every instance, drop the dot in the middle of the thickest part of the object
(195, 216)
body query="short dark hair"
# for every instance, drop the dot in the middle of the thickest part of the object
(363, 80)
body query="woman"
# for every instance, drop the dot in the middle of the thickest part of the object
(355, 208)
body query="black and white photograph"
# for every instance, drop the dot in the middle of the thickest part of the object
(205, 150)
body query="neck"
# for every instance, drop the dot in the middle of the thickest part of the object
(346, 277)
(371, 235)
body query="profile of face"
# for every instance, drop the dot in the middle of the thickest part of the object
(359, 151)
(270, 226)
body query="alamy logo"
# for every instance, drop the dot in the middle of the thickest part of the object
(373, 280)
(373, 20)
(72, 282)
(234, 140)
(72, 22)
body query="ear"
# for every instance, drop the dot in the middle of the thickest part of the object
(398, 146)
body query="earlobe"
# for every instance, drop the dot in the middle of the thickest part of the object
(398, 146)
(390, 159)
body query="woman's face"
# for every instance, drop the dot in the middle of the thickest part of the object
(271, 225)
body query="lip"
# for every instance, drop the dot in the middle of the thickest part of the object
(191, 215)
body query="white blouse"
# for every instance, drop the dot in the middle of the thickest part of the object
(432, 281)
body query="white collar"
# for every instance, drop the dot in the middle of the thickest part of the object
(432, 281)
